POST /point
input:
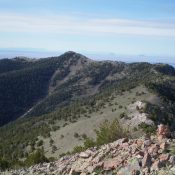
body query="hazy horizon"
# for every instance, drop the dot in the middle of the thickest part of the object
(96, 26)
(42, 53)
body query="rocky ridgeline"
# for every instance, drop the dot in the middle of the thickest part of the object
(142, 156)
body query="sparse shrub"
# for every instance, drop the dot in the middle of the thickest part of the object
(89, 142)
(120, 106)
(135, 129)
(110, 104)
(84, 136)
(46, 134)
(4, 164)
(55, 128)
(123, 115)
(109, 132)
(65, 124)
(62, 136)
(52, 159)
(138, 94)
(36, 158)
(78, 149)
(76, 135)
(114, 109)
(40, 143)
(51, 141)
(54, 148)
(149, 129)
(51, 122)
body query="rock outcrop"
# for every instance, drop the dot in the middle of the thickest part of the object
(163, 132)
(123, 157)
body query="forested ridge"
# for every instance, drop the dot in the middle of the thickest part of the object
(68, 88)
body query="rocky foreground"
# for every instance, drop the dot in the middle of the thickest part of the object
(141, 156)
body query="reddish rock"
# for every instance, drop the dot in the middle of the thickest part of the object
(146, 161)
(163, 132)
(111, 164)
(131, 142)
(146, 171)
(153, 149)
(98, 165)
(164, 158)
(163, 145)
(136, 156)
(125, 146)
(134, 148)
(160, 151)
(139, 142)
(156, 165)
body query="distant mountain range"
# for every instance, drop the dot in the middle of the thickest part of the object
(41, 53)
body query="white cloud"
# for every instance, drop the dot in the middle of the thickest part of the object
(77, 25)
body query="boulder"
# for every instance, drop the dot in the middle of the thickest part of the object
(84, 155)
(139, 142)
(111, 164)
(163, 132)
(153, 149)
(147, 142)
(172, 160)
(146, 161)
(164, 158)
(163, 145)
(156, 165)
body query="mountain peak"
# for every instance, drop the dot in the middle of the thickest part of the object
(75, 55)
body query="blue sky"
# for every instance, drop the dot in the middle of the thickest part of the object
(96, 26)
